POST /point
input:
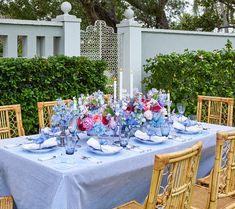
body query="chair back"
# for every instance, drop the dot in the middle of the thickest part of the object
(222, 182)
(11, 121)
(45, 112)
(179, 170)
(217, 110)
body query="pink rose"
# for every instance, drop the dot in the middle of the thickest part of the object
(97, 118)
(88, 123)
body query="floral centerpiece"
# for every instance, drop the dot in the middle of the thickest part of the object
(97, 117)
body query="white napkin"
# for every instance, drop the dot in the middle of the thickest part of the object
(144, 136)
(179, 118)
(191, 129)
(104, 148)
(51, 142)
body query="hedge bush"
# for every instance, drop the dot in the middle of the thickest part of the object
(28, 81)
(193, 73)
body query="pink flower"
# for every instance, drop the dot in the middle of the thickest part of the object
(88, 123)
(148, 115)
(97, 118)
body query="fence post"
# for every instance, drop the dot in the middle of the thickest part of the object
(129, 32)
(71, 38)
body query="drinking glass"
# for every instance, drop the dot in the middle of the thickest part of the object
(165, 129)
(124, 136)
(70, 143)
(181, 109)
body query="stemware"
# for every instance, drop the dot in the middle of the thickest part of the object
(165, 129)
(181, 109)
(124, 136)
(70, 143)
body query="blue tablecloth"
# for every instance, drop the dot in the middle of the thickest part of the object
(85, 184)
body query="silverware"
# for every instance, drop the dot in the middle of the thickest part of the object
(92, 159)
(133, 147)
(47, 158)
(12, 145)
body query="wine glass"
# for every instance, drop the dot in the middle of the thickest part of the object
(181, 109)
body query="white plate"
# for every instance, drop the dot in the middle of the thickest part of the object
(44, 150)
(100, 152)
(149, 141)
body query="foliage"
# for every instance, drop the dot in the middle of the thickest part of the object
(205, 22)
(193, 73)
(208, 15)
(28, 81)
(150, 13)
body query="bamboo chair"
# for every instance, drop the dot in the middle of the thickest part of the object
(221, 191)
(10, 126)
(45, 112)
(180, 170)
(6, 202)
(216, 110)
(11, 121)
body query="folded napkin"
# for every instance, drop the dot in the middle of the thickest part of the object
(103, 146)
(191, 129)
(51, 142)
(179, 118)
(51, 131)
(144, 136)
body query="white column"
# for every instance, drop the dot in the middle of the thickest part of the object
(10, 46)
(49, 46)
(130, 30)
(31, 46)
(71, 38)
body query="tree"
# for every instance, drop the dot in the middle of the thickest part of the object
(152, 13)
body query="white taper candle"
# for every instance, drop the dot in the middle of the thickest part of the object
(168, 103)
(120, 83)
(115, 90)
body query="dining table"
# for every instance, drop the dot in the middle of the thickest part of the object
(87, 180)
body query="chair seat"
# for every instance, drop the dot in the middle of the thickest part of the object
(205, 181)
(201, 195)
(130, 205)
(6, 202)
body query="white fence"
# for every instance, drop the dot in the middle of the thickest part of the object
(136, 44)
(25, 38)
(140, 44)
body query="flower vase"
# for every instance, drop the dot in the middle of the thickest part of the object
(62, 137)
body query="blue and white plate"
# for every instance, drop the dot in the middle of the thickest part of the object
(43, 150)
(188, 132)
(149, 141)
(100, 152)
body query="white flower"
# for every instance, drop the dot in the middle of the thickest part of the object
(163, 111)
(148, 115)
(124, 107)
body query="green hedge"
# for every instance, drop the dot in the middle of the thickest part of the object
(28, 81)
(193, 73)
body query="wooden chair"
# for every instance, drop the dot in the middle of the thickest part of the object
(6, 202)
(217, 110)
(179, 169)
(11, 121)
(221, 191)
(45, 112)
(10, 126)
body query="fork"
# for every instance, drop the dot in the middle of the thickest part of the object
(132, 147)
(92, 159)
